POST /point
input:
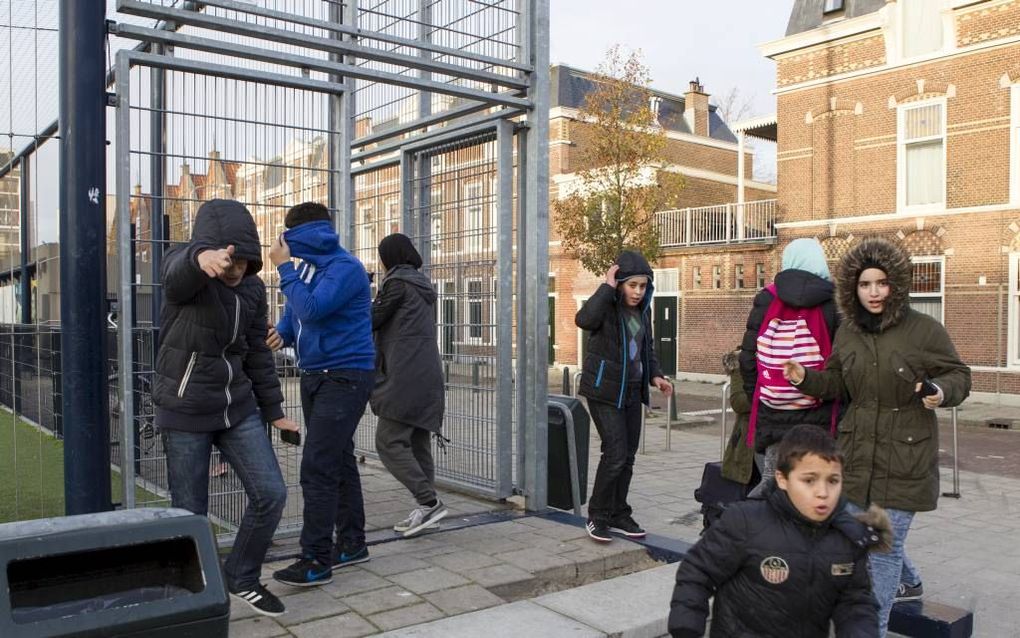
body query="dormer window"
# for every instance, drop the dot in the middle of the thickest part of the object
(832, 6)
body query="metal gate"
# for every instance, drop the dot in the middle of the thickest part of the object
(401, 115)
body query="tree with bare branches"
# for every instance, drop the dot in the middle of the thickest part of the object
(623, 183)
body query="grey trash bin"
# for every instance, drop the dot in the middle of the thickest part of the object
(559, 477)
(133, 573)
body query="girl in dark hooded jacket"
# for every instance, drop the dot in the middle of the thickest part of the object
(409, 394)
(803, 282)
(884, 356)
(618, 369)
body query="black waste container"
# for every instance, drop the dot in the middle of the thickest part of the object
(559, 462)
(133, 573)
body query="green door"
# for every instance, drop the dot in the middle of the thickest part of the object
(664, 333)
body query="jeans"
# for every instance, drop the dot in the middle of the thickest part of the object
(406, 451)
(249, 451)
(333, 403)
(887, 569)
(767, 466)
(620, 431)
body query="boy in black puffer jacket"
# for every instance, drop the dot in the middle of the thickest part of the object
(790, 564)
(618, 369)
(216, 384)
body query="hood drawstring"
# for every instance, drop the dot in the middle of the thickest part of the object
(441, 441)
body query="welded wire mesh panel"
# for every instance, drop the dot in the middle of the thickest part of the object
(453, 221)
(257, 143)
(487, 28)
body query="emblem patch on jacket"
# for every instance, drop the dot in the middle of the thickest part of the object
(842, 569)
(775, 570)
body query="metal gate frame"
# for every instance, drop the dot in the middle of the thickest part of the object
(526, 103)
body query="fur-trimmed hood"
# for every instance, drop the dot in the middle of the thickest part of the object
(731, 361)
(896, 264)
(876, 519)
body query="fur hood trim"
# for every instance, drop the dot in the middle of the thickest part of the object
(731, 362)
(896, 264)
(880, 534)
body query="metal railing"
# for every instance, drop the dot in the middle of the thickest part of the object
(722, 224)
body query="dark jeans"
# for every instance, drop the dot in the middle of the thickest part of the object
(406, 451)
(620, 431)
(249, 451)
(333, 403)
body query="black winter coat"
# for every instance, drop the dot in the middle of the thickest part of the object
(800, 289)
(214, 368)
(604, 369)
(409, 385)
(776, 574)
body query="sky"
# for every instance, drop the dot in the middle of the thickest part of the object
(716, 41)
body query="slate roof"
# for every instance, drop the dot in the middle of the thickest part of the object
(570, 85)
(807, 14)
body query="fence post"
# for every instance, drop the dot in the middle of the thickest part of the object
(956, 458)
(566, 380)
(722, 420)
(82, 63)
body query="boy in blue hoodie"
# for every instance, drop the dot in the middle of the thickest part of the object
(328, 320)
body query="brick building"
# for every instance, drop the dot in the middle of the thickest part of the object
(716, 249)
(914, 134)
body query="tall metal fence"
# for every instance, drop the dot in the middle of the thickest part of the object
(401, 115)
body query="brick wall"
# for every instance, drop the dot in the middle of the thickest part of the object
(824, 61)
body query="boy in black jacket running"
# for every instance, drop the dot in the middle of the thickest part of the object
(789, 564)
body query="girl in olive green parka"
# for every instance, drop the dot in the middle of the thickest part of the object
(882, 353)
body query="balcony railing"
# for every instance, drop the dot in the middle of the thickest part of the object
(722, 224)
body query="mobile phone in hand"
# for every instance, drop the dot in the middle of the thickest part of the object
(288, 436)
(928, 389)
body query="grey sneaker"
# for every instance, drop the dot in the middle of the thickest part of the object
(907, 592)
(421, 518)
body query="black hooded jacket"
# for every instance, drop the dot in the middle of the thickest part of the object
(604, 370)
(214, 368)
(409, 386)
(800, 289)
(777, 574)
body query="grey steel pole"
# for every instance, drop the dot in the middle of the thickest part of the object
(82, 39)
(534, 250)
(722, 420)
(504, 299)
(157, 171)
(956, 458)
(670, 411)
(341, 127)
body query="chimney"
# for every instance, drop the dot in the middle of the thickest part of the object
(696, 108)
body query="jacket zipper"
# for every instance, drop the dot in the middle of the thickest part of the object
(223, 355)
(297, 346)
(598, 377)
(623, 360)
(187, 375)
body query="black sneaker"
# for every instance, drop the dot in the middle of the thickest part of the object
(627, 526)
(260, 599)
(907, 592)
(348, 556)
(598, 531)
(307, 572)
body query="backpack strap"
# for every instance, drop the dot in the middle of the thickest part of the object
(771, 313)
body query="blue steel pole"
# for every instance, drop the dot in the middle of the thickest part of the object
(83, 255)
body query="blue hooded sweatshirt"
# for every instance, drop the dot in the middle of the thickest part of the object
(328, 316)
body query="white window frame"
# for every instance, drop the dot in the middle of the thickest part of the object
(739, 277)
(901, 157)
(1013, 313)
(759, 275)
(365, 212)
(934, 259)
(1014, 145)
(946, 22)
(480, 299)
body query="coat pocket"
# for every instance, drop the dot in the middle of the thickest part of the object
(914, 451)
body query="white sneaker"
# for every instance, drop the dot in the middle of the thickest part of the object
(421, 518)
